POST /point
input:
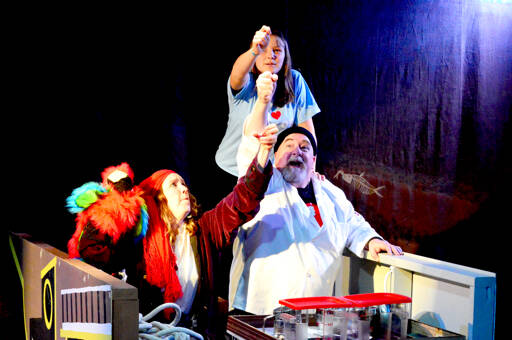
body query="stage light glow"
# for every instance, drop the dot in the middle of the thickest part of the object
(498, 1)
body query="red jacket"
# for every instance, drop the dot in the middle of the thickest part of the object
(214, 233)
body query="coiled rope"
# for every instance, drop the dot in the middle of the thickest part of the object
(159, 331)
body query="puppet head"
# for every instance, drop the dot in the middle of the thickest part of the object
(119, 177)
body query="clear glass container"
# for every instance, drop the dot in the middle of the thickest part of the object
(315, 318)
(378, 315)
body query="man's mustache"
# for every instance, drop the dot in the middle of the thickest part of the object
(296, 161)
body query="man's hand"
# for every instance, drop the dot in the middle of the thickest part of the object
(261, 40)
(268, 137)
(266, 85)
(376, 245)
(267, 140)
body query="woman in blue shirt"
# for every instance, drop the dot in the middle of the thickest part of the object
(292, 104)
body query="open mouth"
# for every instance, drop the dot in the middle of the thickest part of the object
(296, 163)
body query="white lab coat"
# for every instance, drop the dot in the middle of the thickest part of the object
(283, 252)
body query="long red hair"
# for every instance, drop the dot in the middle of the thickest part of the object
(160, 259)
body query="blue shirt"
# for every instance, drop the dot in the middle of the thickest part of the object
(302, 108)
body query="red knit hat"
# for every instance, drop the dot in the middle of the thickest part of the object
(160, 259)
(152, 185)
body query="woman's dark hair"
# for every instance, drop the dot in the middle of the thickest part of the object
(285, 91)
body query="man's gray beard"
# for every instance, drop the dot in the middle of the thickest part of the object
(293, 175)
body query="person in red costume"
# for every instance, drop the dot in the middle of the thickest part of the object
(154, 236)
(181, 244)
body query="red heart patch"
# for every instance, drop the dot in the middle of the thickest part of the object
(276, 114)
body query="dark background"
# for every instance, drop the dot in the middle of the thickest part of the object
(415, 94)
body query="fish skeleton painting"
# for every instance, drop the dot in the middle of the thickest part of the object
(360, 183)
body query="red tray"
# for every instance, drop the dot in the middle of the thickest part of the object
(317, 302)
(375, 299)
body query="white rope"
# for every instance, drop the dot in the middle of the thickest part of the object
(159, 331)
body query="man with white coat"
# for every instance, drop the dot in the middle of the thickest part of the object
(293, 246)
